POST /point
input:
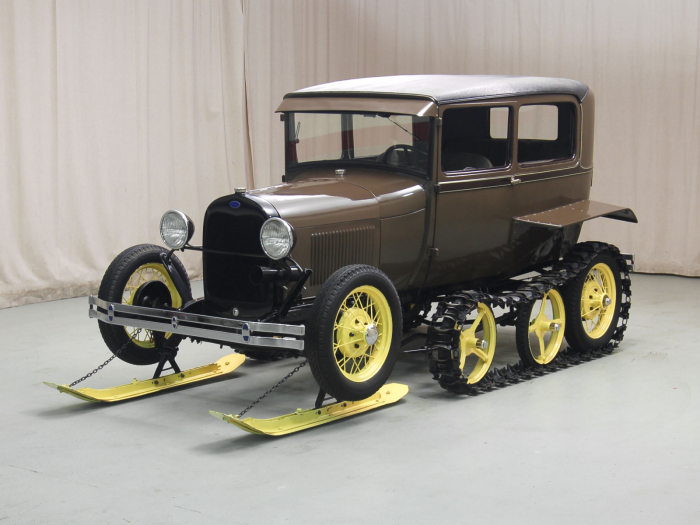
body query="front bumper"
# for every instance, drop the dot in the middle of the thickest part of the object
(216, 329)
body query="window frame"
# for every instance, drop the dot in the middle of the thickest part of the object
(560, 163)
(291, 171)
(447, 176)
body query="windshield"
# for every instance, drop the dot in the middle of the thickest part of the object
(367, 139)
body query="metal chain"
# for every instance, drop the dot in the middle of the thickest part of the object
(116, 354)
(290, 374)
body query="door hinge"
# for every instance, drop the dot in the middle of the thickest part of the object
(433, 252)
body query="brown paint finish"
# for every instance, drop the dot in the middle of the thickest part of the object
(396, 194)
(587, 130)
(402, 247)
(306, 245)
(320, 200)
(577, 212)
(473, 227)
(356, 195)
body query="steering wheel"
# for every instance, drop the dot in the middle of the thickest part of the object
(408, 150)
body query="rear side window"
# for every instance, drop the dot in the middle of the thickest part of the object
(546, 132)
(475, 138)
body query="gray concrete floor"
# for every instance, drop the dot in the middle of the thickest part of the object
(615, 440)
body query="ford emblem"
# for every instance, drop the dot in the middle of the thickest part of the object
(234, 204)
(246, 332)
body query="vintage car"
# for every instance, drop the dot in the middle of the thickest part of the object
(406, 200)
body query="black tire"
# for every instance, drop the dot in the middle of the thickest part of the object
(576, 336)
(320, 333)
(112, 289)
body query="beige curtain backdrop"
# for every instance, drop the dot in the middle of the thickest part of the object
(112, 112)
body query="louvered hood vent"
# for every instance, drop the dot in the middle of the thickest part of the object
(332, 250)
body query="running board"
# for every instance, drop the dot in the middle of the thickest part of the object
(303, 419)
(223, 366)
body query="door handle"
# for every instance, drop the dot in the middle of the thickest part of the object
(515, 180)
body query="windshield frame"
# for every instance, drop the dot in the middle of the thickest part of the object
(293, 169)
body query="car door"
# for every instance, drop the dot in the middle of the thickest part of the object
(481, 187)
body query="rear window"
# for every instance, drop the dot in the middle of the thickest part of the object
(475, 138)
(546, 132)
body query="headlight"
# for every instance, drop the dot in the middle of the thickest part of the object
(276, 238)
(176, 229)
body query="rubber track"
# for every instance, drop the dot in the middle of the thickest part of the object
(443, 338)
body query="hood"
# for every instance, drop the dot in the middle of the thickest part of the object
(321, 197)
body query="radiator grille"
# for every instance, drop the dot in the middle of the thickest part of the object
(335, 249)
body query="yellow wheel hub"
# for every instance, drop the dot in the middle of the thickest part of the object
(547, 328)
(598, 300)
(477, 344)
(142, 275)
(362, 333)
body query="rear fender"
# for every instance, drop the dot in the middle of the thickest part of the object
(575, 213)
(551, 233)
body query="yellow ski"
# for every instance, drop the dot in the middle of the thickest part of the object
(223, 366)
(303, 419)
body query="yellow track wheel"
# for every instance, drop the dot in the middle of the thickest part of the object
(540, 329)
(477, 344)
(592, 302)
(598, 300)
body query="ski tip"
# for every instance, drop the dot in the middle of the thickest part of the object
(221, 415)
(52, 385)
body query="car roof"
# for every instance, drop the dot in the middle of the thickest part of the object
(444, 89)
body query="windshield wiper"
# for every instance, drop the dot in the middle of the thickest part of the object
(399, 125)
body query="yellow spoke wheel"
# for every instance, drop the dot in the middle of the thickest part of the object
(144, 274)
(362, 333)
(126, 275)
(540, 329)
(353, 332)
(477, 344)
(598, 301)
(592, 301)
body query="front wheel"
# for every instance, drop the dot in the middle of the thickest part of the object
(354, 332)
(128, 273)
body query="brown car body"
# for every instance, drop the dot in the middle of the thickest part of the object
(454, 229)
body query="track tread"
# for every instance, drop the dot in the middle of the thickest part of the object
(443, 339)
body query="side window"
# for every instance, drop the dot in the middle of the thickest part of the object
(475, 138)
(546, 132)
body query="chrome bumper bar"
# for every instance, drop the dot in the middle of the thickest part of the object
(219, 329)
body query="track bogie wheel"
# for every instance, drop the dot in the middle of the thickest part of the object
(477, 344)
(539, 329)
(123, 282)
(354, 332)
(593, 300)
